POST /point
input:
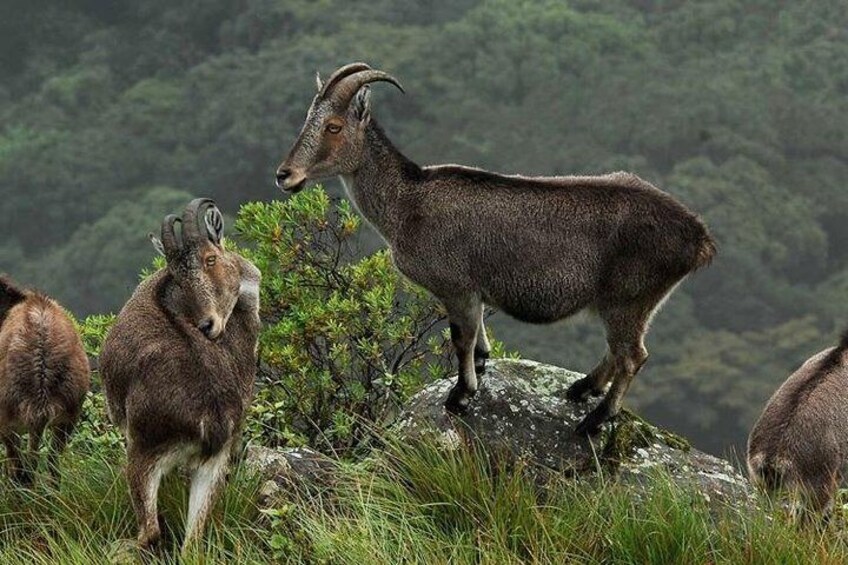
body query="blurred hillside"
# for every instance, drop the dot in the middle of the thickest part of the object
(110, 112)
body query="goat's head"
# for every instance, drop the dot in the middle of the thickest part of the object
(208, 276)
(332, 139)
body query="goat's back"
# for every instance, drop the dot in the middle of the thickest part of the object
(564, 242)
(44, 371)
(801, 438)
(165, 381)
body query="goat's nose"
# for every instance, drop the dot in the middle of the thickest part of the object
(282, 174)
(206, 326)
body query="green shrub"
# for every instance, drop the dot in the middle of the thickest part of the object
(345, 343)
(93, 331)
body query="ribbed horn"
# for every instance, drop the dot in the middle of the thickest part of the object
(350, 85)
(194, 222)
(170, 240)
(341, 73)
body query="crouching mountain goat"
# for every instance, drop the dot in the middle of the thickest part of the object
(44, 377)
(800, 442)
(179, 365)
(538, 248)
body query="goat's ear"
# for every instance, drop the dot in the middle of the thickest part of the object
(319, 84)
(9, 296)
(9, 289)
(157, 244)
(214, 225)
(362, 104)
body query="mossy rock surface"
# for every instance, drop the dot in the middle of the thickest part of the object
(522, 407)
(285, 469)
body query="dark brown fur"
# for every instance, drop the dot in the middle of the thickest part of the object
(800, 442)
(538, 248)
(180, 396)
(44, 376)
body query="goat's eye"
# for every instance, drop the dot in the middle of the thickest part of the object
(210, 261)
(334, 128)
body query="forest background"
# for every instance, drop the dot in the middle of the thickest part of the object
(115, 113)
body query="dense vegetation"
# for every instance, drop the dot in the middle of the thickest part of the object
(112, 112)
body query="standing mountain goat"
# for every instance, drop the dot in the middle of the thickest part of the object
(540, 249)
(800, 442)
(44, 376)
(179, 365)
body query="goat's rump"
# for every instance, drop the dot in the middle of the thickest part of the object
(801, 437)
(546, 271)
(44, 372)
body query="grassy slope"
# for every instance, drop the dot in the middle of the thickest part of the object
(415, 504)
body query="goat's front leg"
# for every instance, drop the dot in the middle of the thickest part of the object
(205, 484)
(144, 474)
(465, 316)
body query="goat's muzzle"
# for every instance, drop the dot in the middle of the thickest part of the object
(290, 181)
(211, 328)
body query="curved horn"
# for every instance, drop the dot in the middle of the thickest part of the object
(213, 221)
(341, 73)
(170, 240)
(193, 215)
(351, 84)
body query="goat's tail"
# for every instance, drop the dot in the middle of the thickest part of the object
(706, 250)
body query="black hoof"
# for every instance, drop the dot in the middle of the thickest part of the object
(591, 424)
(581, 390)
(458, 400)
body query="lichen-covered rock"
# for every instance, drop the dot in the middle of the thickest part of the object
(522, 406)
(289, 468)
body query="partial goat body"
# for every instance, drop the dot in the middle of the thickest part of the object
(544, 249)
(538, 248)
(178, 368)
(44, 377)
(799, 445)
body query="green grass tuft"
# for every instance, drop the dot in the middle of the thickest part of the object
(411, 503)
(421, 504)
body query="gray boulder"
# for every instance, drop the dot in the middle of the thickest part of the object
(286, 469)
(522, 406)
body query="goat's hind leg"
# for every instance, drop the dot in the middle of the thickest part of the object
(482, 348)
(205, 484)
(30, 461)
(594, 383)
(61, 435)
(14, 462)
(626, 328)
(812, 501)
(465, 316)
